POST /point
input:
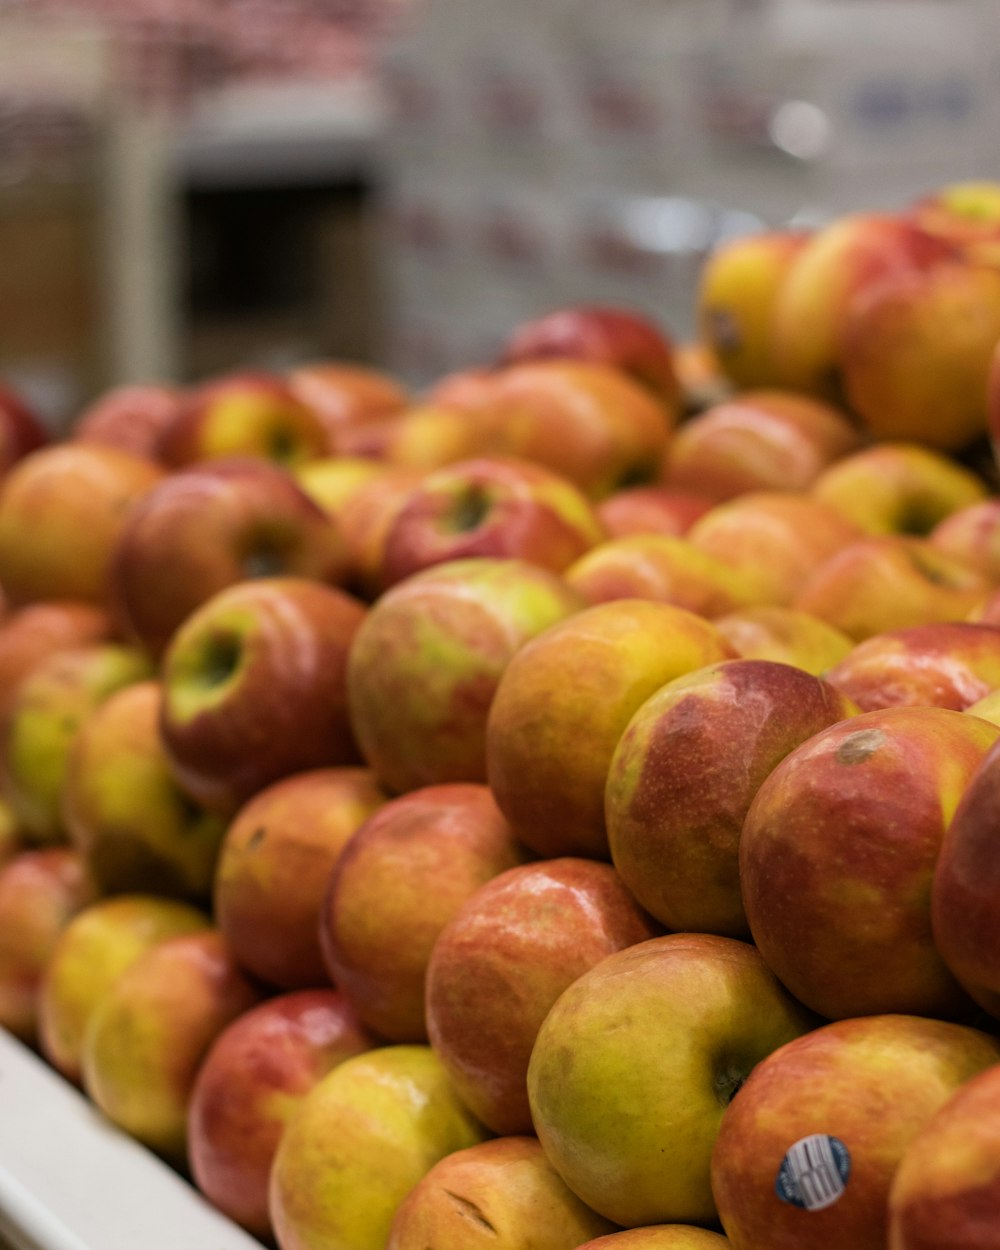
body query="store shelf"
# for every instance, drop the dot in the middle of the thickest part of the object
(69, 1180)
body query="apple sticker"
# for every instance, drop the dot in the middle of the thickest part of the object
(814, 1172)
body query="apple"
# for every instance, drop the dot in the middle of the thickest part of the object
(122, 809)
(364, 520)
(426, 437)
(972, 535)
(346, 396)
(651, 510)
(943, 1193)
(847, 256)
(738, 287)
(563, 702)
(590, 423)
(636, 1063)
(40, 892)
(947, 664)
(987, 708)
(62, 509)
(619, 337)
(208, 527)
(702, 379)
(660, 1237)
(499, 1195)
(659, 567)
(807, 1150)
(131, 417)
(34, 632)
(401, 878)
(91, 952)
(685, 772)
(769, 632)
(877, 585)
(149, 1033)
(465, 389)
(898, 488)
(332, 480)
(22, 430)
(966, 214)
(246, 413)
(987, 610)
(837, 856)
(758, 440)
(274, 865)
(427, 659)
(255, 688)
(966, 888)
(361, 1139)
(11, 841)
(502, 961)
(44, 717)
(249, 1085)
(993, 404)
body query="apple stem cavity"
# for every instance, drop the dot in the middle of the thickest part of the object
(469, 509)
(728, 1083)
(263, 562)
(221, 659)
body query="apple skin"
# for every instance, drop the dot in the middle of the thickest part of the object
(871, 1083)
(660, 1237)
(651, 510)
(684, 774)
(425, 437)
(950, 664)
(62, 509)
(915, 353)
(636, 1063)
(249, 1085)
(46, 713)
(972, 535)
(22, 430)
(130, 417)
(993, 405)
(149, 1033)
(11, 841)
(758, 440)
(92, 951)
(967, 886)
(944, 1193)
(40, 892)
(966, 214)
(276, 859)
(898, 488)
(503, 960)
(737, 290)
(365, 519)
(208, 527)
(246, 413)
(617, 337)
(346, 396)
(563, 702)
(361, 1139)
(499, 1195)
(769, 632)
(403, 876)
(255, 688)
(123, 810)
(32, 633)
(837, 856)
(425, 664)
(877, 585)
(489, 506)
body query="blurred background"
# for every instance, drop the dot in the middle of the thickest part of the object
(191, 186)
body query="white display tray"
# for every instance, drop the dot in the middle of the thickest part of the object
(69, 1180)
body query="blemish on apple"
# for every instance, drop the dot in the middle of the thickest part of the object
(860, 746)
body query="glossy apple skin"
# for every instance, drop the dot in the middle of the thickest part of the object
(149, 1034)
(501, 1193)
(660, 1237)
(684, 774)
(21, 429)
(627, 1097)
(873, 1084)
(737, 290)
(564, 701)
(251, 1082)
(878, 585)
(758, 440)
(255, 688)
(972, 534)
(952, 664)
(360, 1141)
(503, 960)
(838, 853)
(45, 716)
(274, 865)
(246, 413)
(944, 1193)
(346, 396)
(30, 634)
(40, 892)
(123, 810)
(607, 336)
(208, 527)
(768, 632)
(489, 506)
(967, 887)
(651, 510)
(62, 509)
(92, 951)
(426, 662)
(403, 876)
(129, 417)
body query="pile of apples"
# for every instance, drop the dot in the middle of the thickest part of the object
(559, 809)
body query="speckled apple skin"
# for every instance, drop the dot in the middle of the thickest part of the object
(660, 1237)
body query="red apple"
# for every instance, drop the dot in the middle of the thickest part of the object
(21, 428)
(32, 633)
(130, 417)
(255, 688)
(972, 535)
(651, 510)
(769, 632)
(659, 1237)
(365, 519)
(346, 396)
(966, 214)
